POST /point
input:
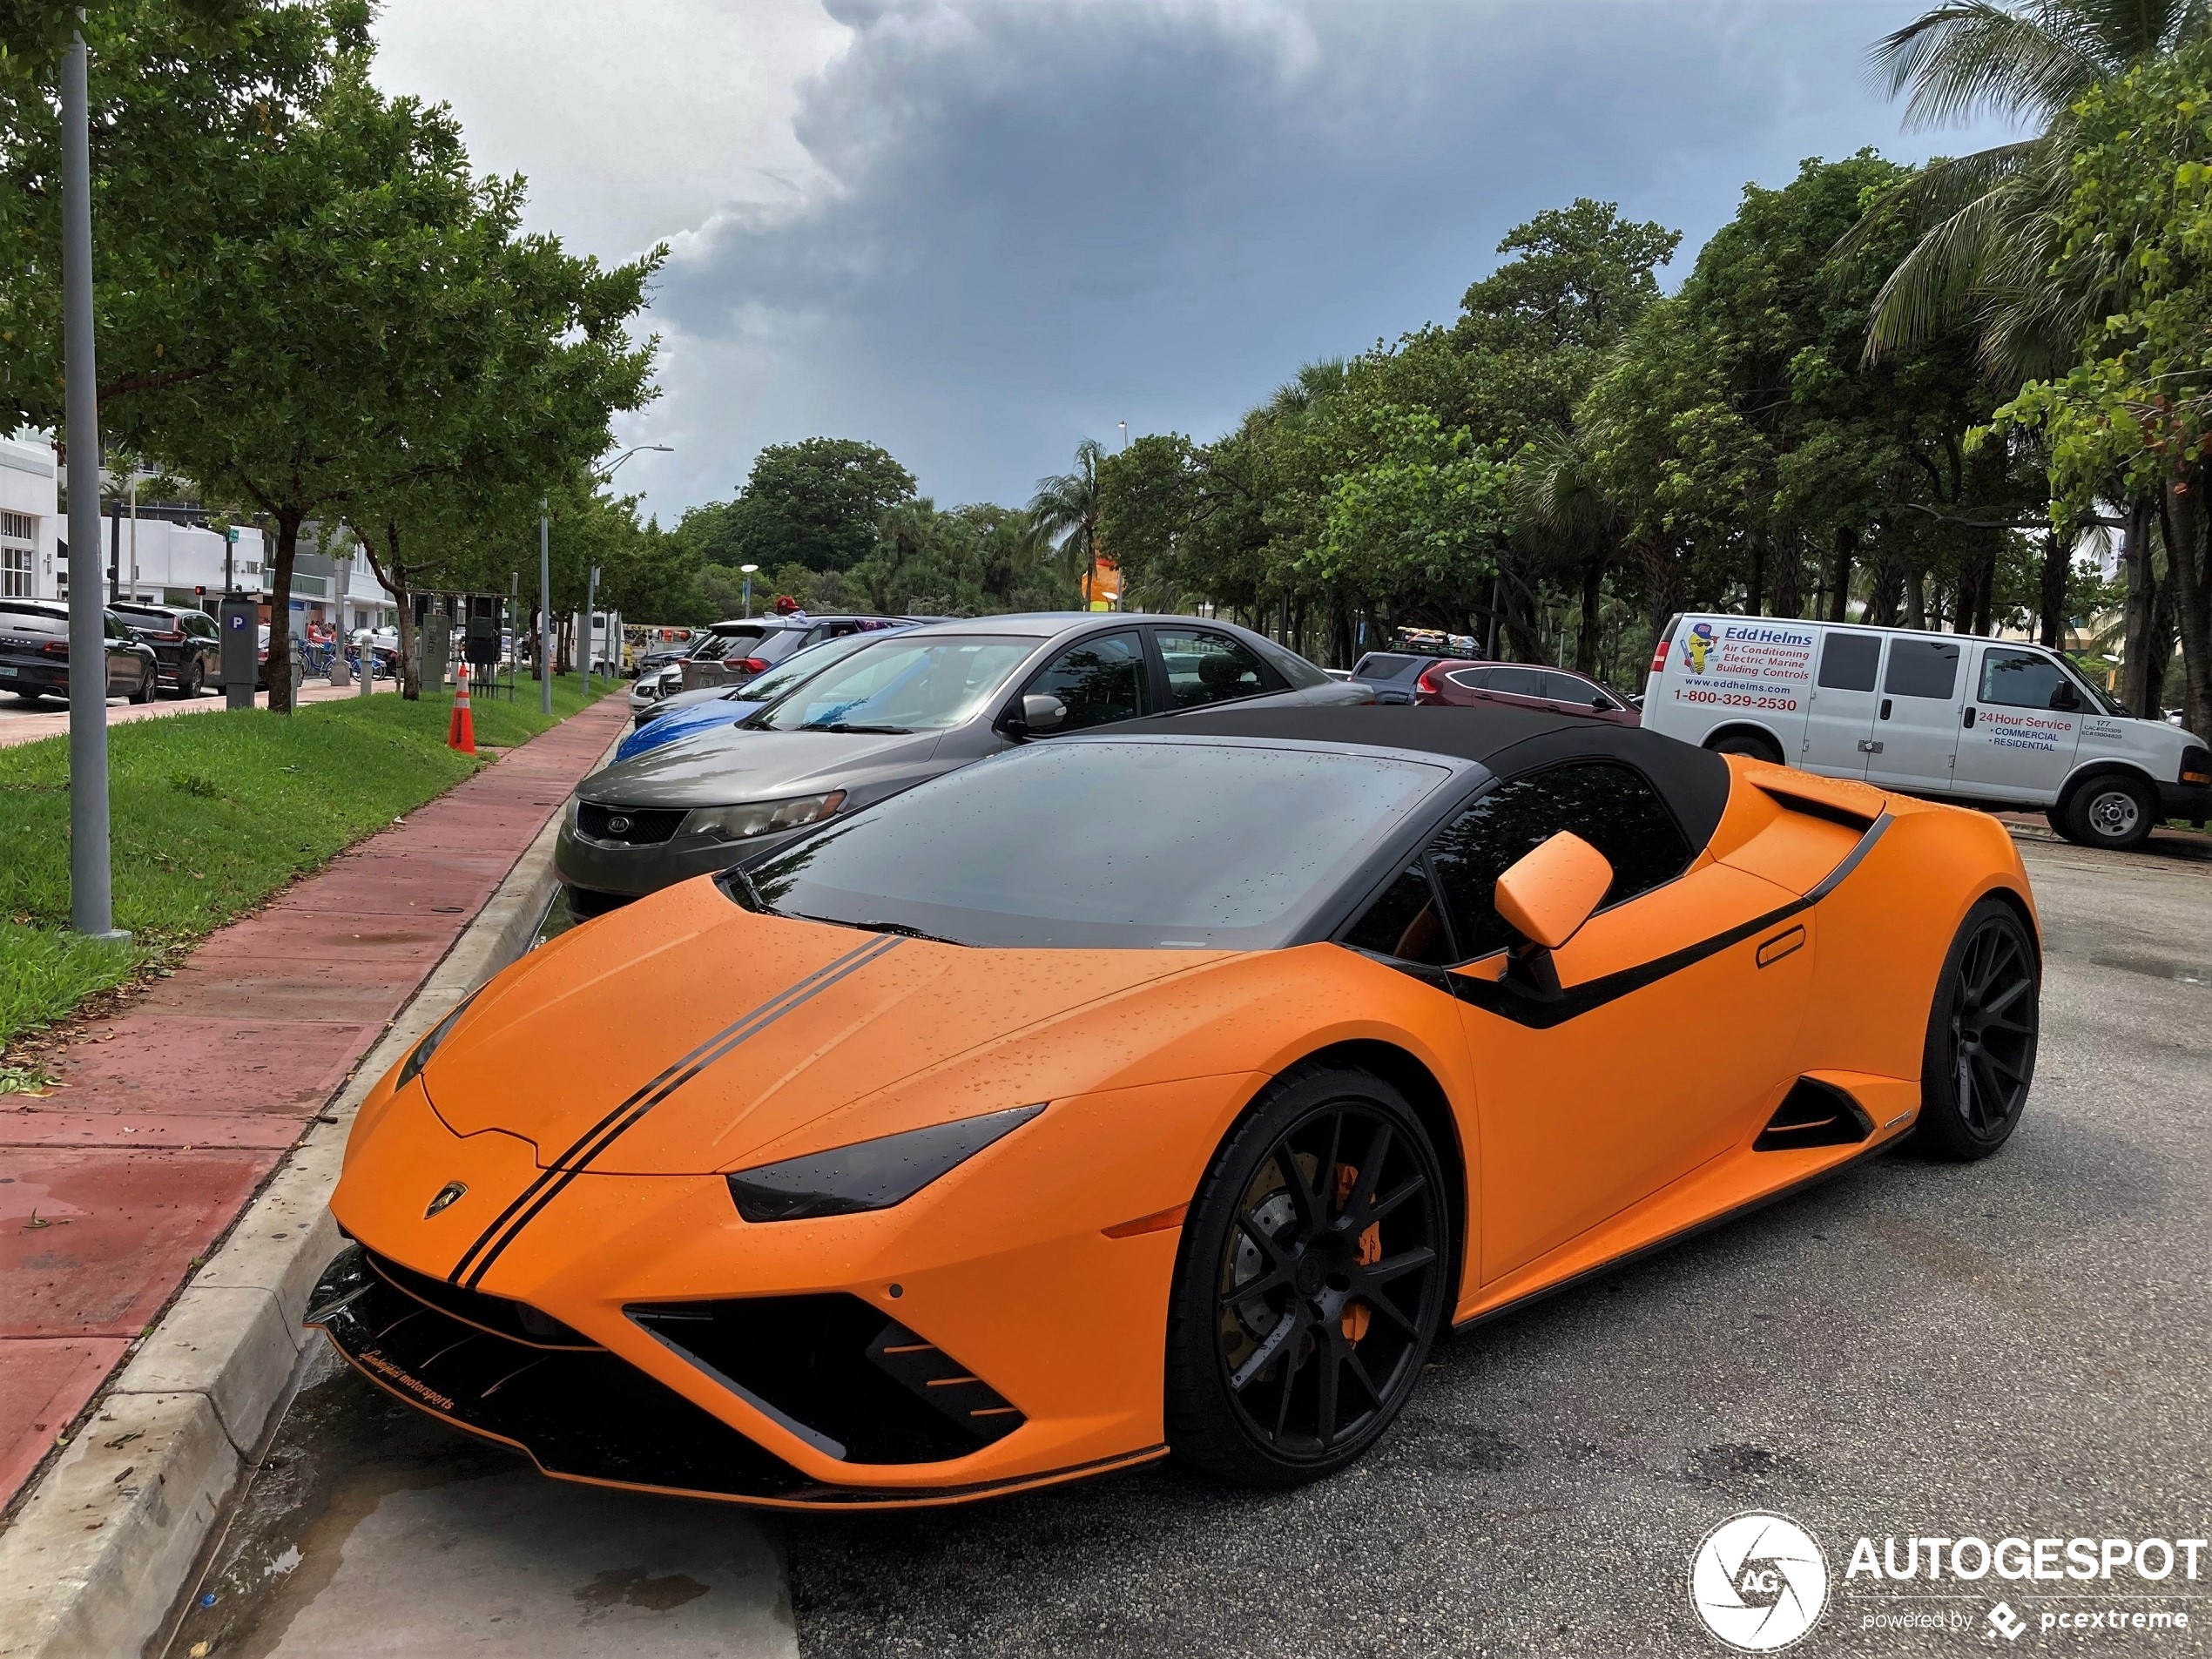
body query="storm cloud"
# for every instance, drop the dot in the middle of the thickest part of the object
(976, 231)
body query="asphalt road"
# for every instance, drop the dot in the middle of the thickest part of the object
(2015, 1348)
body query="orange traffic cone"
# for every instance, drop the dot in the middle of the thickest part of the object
(461, 728)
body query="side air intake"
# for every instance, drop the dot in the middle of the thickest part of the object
(1814, 1114)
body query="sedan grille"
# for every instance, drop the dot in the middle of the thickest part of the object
(631, 825)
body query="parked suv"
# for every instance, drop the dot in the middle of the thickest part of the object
(34, 653)
(187, 650)
(1986, 722)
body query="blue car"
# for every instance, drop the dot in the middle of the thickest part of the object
(686, 719)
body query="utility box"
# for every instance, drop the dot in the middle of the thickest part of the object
(482, 647)
(433, 643)
(240, 619)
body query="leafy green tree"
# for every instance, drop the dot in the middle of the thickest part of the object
(1066, 509)
(191, 101)
(387, 328)
(2137, 407)
(818, 503)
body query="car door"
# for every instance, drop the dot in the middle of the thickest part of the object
(1839, 724)
(1652, 1057)
(1517, 687)
(2020, 726)
(1200, 668)
(122, 671)
(1917, 723)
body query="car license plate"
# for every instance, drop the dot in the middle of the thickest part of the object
(6, 672)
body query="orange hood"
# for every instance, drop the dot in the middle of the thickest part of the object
(684, 1035)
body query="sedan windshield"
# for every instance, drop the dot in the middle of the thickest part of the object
(901, 685)
(1101, 844)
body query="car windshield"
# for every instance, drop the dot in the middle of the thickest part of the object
(797, 669)
(1089, 845)
(908, 684)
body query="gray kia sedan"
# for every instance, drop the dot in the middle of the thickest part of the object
(900, 709)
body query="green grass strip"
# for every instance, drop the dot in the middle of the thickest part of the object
(209, 814)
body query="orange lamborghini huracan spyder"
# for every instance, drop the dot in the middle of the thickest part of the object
(1163, 1089)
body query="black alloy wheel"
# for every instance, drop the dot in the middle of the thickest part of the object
(191, 677)
(148, 677)
(1311, 1285)
(1980, 1054)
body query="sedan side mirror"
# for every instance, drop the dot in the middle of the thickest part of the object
(1038, 714)
(1600, 702)
(2064, 698)
(1550, 892)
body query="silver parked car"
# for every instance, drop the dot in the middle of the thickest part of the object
(900, 709)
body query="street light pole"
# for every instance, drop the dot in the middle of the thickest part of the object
(590, 598)
(748, 569)
(92, 900)
(545, 610)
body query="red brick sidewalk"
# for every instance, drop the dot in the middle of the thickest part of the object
(111, 1187)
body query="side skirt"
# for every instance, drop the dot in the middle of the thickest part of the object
(1738, 1212)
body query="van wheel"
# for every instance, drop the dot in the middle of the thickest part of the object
(1747, 743)
(2114, 810)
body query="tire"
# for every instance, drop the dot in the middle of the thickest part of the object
(2115, 810)
(1979, 1061)
(1280, 1371)
(189, 678)
(1747, 743)
(148, 679)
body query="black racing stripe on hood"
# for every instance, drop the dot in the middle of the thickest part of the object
(594, 1141)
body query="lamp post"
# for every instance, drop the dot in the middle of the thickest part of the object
(747, 570)
(91, 899)
(638, 449)
(544, 609)
(590, 626)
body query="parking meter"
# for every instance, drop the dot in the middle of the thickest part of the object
(240, 619)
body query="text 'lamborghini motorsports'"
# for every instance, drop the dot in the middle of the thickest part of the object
(1166, 1090)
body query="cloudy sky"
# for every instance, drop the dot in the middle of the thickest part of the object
(976, 231)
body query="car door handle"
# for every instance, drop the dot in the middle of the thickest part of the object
(1867, 745)
(1885, 708)
(1969, 720)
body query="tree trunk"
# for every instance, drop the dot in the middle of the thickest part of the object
(1789, 576)
(279, 666)
(2139, 690)
(2185, 565)
(1339, 629)
(2050, 599)
(1916, 597)
(1839, 587)
(1755, 585)
(393, 574)
(1885, 592)
(1586, 637)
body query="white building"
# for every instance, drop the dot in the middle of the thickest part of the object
(158, 555)
(29, 525)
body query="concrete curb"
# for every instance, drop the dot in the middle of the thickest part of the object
(98, 1554)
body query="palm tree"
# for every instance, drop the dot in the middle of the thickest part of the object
(1066, 509)
(1988, 243)
(1558, 491)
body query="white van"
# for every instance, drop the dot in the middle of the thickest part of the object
(1985, 722)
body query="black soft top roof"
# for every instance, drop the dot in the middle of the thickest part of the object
(1694, 782)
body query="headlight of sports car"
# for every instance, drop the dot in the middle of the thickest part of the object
(411, 1068)
(759, 817)
(868, 1175)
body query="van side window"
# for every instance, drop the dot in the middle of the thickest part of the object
(1848, 661)
(1921, 668)
(1608, 806)
(2021, 679)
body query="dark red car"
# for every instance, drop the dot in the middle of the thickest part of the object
(1519, 685)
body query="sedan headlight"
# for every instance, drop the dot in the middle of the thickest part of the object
(759, 817)
(411, 1068)
(867, 1175)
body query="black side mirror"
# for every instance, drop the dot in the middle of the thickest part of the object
(2066, 698)
(1600, 702)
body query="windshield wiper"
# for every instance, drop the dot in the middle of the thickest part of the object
(898, 927)
(849, 726)
(752, 893)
